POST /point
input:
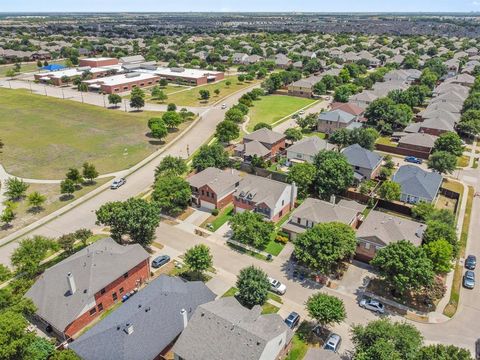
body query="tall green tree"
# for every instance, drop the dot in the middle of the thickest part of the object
(15, 189)
(326, 309)
(199, 259)
(74, 175)
(210, 156)
(449, 142)
(253, 286)
(137, 98)
(334, 173)
(437, 230)
(443, 352)
(404, 266)
(323, 246)
(386, 340)
(172, 194)
(14, 337)
(172, 119)
(36, 200)
(136, 218)
(27, 256)
(171, 165)
(114, 99)
(67, 187)
(227, 131)
(442, 162)
(89, 172)
(440, 253)
(250, 228)
(390, 191)
(303, 175)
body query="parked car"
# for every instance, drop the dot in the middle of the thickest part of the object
(117, 183)
(160, 261)
(471, 262)
(277, 287)
(292, 320)
(333, 343)
(373, 305)
(224, 106)
(469, 279)
(413, 159)
(301, 112)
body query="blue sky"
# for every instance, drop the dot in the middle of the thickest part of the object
(241, 5)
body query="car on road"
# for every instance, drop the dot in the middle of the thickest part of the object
(301, 112)
(469, 279)
(276, 286)
(471, 262)
(292, 320)
(117, 183)
(413, 160)
(333, 343)
(224, 106)
(373, 305)
(160, 261)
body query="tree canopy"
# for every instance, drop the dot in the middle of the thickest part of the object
(250, 228)
(172, 194)
(326, 309)
(334, 173)
(253, 286)
(210, 156)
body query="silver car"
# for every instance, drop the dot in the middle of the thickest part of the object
(117, 183)
(372, 305)
(333, 343)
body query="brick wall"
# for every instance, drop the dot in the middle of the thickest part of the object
(415, 147)
(282, 212)
(364, 254)
(136, 276)
(128, 85)
(98, 62)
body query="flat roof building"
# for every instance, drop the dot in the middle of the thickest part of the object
(122, 83)
(97, 62)
(188, 76)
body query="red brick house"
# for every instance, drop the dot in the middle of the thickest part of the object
(213, 188)
(263, 143)
(270, 198)
(71, 294)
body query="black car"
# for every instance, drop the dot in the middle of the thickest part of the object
(160, 261)
(292, 320)
(469, 279)
(471, 262)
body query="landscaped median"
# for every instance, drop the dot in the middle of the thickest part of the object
(452, 305)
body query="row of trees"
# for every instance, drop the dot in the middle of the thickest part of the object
(74, 178)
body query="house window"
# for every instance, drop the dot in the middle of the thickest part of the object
(125, 275)
(93, 311)
(367, 246)
(299, 221)
(203, 192)
(121, 290)
(100, 307)
(114, 296)
(102, 291)
(208, 193)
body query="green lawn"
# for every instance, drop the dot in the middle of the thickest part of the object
(267, 307)
(271, 108)
(217, 221)
(274, 247)
(298, 350)
(385, 140)
(25, 67)
(45, 136)
(463, 161)
(191, 97)
(248, 252)
(314, 133)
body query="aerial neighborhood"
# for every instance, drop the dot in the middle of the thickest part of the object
(214, 186)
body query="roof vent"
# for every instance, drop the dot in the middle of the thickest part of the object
(129, 329)
(71, 283)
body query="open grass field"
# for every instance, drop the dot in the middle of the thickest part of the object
(271, 108)
(24, 214)
(25, 67)
(44, 136)
(192, 98)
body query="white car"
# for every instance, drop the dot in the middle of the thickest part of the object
(373, 305)
(224, 106)
(117, 183)
(301, 112)
(277, 287)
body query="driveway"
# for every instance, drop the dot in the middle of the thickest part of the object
(199, 216)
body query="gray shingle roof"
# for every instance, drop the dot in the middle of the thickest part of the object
(224, 329)
(336, 116)
(358, 156)
(310, 146)
(154, 313)
(218, 180)
(418, 182)
(92, 268)
(261, 190)
(385, 228)
(419, 139)
(265, 135)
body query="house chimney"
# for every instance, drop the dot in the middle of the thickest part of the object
(71, 283)
(293, 195)
(183, 312)
(129, 329)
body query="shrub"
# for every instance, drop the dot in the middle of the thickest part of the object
(281, 239)
(215, 212)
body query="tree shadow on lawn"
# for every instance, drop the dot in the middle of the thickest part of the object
(35, 210)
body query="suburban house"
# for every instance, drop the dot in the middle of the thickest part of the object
(303, 87)
(417, 184)
(273, 199)
(239, 58)
(436, 126)
(363, 99)
(365, 163)
(224, 329)
(380, 229)
(330, 121)
(72, 293)
(417, 142)
(282, 61)
(350, 108)
(146, 326)
(263, 143)
(306, 149)
(315, 211)
(213, 188)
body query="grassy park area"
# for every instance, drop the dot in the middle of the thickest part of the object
(191, 97)
(271, 108)
(45, 136)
